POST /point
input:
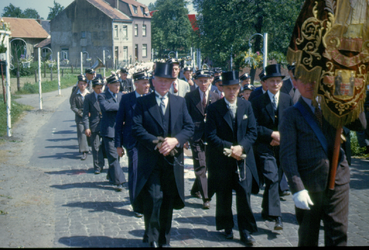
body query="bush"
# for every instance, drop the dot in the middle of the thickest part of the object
(24, 71)
(355, 148)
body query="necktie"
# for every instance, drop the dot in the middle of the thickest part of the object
(204, 100)
(162, 105)
(274, 102)
(175, 89)
(232, 108)
(319, 116)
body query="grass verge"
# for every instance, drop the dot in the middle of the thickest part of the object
(16, 111)
(48, 86)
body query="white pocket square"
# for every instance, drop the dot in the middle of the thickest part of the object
(244, 117)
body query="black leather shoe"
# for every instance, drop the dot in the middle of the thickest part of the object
(206, 205)
(228, 234)
(154, 244)
(278, 224)
(247, 239)
(285, 193)
(196, 194)
(97, 171)
(84, 156)
(145, 239)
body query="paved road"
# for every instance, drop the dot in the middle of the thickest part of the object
(80, 209)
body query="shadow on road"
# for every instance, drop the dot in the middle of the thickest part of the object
(100, 241)
(359, 170)
(69, 155)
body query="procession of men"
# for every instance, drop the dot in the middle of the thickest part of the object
(290, 136)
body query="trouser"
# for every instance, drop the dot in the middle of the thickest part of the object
(159, 193)
(330, 206)
(132, 172)
(199, 165)
(82, 138)
(223, 211)
(97, 151)
(115, 172)
(271, 202)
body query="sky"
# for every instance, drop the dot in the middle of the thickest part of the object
(42, 6)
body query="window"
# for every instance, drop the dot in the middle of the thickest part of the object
(144, 50)
(44, 53)
(136, 29)
(143, 10)
(134, 9)
(144, 30)
(116, 31)
(64, 54)
(83, 34)
(136, 52)
(125, 31)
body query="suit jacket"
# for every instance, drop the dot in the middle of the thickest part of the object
(197, 112)
(220, 131)
(265, 119)
(257, 92)
(91, 106)
(289, 89)
(124, 122)
(302, 157)
(109, 108)
(147, 125)
(76, 105)
(126, 86)
(183, 88)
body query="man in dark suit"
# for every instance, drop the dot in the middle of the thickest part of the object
(76, 105)
(217, 86)
(160, 171)
(123, 128)
(126, 85)
(91, 75)
(268, 110)
(288, 85)
(259, 90)
(231, 125)
(91, 122)
(197, 103)
(307, 166)
(109, 104)
(187, 73)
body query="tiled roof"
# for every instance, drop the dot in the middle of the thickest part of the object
(43, 43)
(132, 3)
(108, 10)
(25, 28)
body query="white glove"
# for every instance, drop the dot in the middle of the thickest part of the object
(302, 200)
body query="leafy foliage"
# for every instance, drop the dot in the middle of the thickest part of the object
(227, 25)
(171, 29)
(55, 10)
(12, 11)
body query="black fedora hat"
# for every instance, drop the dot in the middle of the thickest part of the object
(230, 78)
(273, 70)
(142, 75)
(112, 79)
(244, 77)
(202, 73)
(164, 70)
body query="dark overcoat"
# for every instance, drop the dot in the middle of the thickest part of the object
(147, 125)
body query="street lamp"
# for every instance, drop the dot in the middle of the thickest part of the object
(265, 47)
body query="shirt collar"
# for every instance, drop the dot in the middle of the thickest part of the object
(111, 93)
(309, 102)
(160, 96)
(137, 94)
(230, 104)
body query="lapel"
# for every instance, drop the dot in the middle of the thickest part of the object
(211, 98)
(154, 109)
(240, 112)
(226, 114)
(268, 106)
(95, 103)
(197, 100)
(111, 96)
(133, 100)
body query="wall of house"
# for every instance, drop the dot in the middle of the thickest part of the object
(83, 27)
(140, 40)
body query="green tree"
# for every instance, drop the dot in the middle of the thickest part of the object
(151, 6)
(54, 11)
(171, 29)
(227, 25)
(12, 11)
(31, 13)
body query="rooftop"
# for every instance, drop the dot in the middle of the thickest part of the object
(26, 28)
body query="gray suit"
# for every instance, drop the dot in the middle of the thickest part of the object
(183, 88)
(76, 105)
(91, 120)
